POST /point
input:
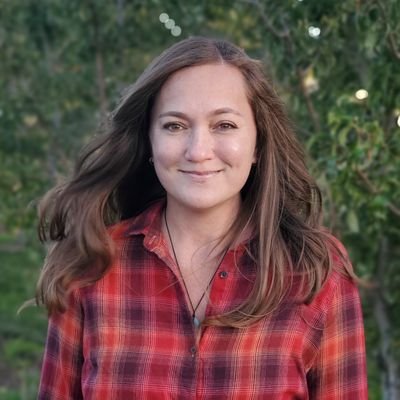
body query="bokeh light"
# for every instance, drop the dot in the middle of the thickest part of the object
(164, 17)
(176, 30)
(169, 24)
(361, 94)
(314, 31)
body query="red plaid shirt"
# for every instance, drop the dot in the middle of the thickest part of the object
(130, 335)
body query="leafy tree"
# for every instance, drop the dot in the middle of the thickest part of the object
(64, 65)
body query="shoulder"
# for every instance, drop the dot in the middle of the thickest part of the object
(340, 284)
(338, 291)
(129, 240)
(118, 230)
(337, 252)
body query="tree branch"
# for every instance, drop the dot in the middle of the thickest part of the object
(268, 23)
(373, 190)
(390, 365)
(286, 37)
(391, 35)
(300, 75)
(310, 105)
(99, 60)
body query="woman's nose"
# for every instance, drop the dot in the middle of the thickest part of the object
(199, 145)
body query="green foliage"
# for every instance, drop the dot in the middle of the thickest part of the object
(21, 335)
(64, 65)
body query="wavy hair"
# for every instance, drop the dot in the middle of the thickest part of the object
(113, 180)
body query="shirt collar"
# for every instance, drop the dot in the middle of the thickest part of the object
(148, 222)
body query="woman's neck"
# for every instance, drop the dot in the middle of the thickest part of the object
(194, 228)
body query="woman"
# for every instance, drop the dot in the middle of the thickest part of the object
(189, 261)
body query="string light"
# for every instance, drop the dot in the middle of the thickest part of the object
(169, 23)
(176, 31)
(164, 17)
(314, 31)
(361, 94)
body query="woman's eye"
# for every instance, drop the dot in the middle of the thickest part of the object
(226, 126)
(173, 126)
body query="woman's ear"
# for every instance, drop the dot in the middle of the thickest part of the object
(255, 158)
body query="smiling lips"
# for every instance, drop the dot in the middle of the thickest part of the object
(200, 174)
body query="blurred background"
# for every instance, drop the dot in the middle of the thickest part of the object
(63, 65)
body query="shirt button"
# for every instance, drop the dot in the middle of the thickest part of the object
(223, 274)
(193, 350)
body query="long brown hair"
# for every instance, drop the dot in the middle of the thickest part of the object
(113, 180)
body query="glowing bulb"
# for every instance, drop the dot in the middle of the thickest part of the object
(169, 24)
(361, 94)
(398, 121)
(164, 17)
(314, 31)
(176, 30)
(310, 82)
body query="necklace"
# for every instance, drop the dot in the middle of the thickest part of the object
(195, 320)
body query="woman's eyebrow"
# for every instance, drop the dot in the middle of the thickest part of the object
(226, 110)
(218, 111)
(173, 114)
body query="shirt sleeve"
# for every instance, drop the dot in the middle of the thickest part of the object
(339, 371)
(62, 362)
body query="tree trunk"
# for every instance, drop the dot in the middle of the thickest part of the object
(390, 368)
(101, 83)
(120, 13)
(99, 60)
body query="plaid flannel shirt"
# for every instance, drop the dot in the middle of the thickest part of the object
(131, 336)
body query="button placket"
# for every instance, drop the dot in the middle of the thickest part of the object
(223, 274)
(193, 351)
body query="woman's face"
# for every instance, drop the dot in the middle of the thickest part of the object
(203, 137)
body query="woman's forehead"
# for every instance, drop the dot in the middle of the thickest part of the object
(209, 86)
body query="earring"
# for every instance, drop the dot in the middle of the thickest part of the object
(151, 161)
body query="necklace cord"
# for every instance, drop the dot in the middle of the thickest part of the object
(194, 309)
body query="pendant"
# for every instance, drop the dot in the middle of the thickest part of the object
(196, 322)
